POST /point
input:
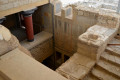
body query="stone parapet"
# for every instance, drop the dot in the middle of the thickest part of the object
(94, 41)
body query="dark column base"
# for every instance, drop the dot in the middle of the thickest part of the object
(30, 40)
(2, 19)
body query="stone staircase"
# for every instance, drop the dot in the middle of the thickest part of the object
(108, 67)
(91, 45)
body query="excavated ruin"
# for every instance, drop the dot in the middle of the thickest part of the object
(49, 40)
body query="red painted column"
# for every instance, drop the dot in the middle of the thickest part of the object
(29, 27)
(27, 15)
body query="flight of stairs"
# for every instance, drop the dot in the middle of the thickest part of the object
(108, 67)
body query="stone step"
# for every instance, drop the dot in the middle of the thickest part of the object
(111, 58)
(91, 77)
(114, 49)
(77, 67)
(102, 75)
(112, 69)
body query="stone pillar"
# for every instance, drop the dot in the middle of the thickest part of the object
(27, 15)
(118, 9)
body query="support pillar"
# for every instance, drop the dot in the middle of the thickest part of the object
(118, 8)
(27, 15)
(2, 19)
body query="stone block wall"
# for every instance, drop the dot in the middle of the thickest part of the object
(42, 18)
(93, 42)
(68, 28)
(63, 29)
(85, 19)
(8, 4)
(69, 24)
(43, 51)
(107, 21)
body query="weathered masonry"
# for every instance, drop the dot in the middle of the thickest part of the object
(42, 40)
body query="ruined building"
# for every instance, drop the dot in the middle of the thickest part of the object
(42, 40)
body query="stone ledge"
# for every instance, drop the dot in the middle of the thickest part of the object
(112, 49)
(18, 66)
(77, 67)
(94, 41)
(15, 8)
(39, 38)
(111, 58)
(112, 69)
(102, 75)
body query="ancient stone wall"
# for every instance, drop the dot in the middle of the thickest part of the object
(8, 4)
(42, 47)
(43, 51)
(68, 28)
(43, 18)
(9, 42)
(63, 29)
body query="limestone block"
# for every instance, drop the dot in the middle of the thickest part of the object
(1, 37)
(86, 13)
(12, 1)
(7, 6)
(77, 67)
(63, 12)
(16, 4)
(39, 39)
(87, 50)
(5, 33)
(23, 2)
(3, 2)
(9, 42)
(93, 42)
(24, 50)
(80, 13)
(43, 50)
(108, 21)
(18, 66)
(113, 69)
(112, 23)
(31, 1)
(8, 45)
(93, 15)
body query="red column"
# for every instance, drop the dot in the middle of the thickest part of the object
(27, 15)
(29, 27)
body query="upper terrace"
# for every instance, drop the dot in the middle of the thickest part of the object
(8, 7)
(110, 5)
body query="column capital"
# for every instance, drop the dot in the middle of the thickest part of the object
(2, 19)
(29, 12)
